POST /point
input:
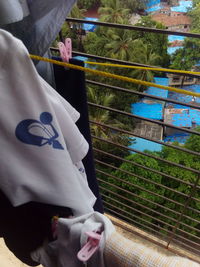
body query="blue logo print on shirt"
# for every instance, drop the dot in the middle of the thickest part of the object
(38, 132)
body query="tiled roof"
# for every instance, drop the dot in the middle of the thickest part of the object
(171, 20)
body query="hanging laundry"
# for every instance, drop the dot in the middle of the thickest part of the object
(70, 84)
(12, 11)
(71, 237)
(38, 138)
(37, 30)
(41, 149)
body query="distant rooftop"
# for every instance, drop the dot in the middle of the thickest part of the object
(151, 111)
(186, 98)
(178, 117)
(172, 38)
(182, 117)
(170, 21)
(157, 91)
(182, 7)
(151, 3)
(154, 8)
(90, 27)
(181, 138)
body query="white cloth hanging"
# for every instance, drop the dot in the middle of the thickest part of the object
(71, 238)
(40, 144)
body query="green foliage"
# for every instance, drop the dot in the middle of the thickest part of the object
(193, 143)
(113, 11)
(105, 98)
(157, 42)
(154, 197)
(190, 54)
(134, 5)
(86, 4)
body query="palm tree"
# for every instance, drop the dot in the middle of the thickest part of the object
(122, 44)
(144, 54)
(97, 114)
(102, 115)
(113, 12)
(76, 12)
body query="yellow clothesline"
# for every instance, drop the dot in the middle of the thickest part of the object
(114, 76)
(142, 68)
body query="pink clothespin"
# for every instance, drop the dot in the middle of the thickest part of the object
(65, 49)
(90, 247)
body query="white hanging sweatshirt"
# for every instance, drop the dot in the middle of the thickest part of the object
(40, 145)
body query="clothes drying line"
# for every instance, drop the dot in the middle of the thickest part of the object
(143, 68)
(114, 76)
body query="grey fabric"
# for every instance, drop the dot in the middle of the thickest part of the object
(40, 28)
(12, 11)
(71, 238)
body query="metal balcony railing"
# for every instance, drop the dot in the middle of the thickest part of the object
(174, 216)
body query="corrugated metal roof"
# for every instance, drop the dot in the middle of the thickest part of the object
(150, 111)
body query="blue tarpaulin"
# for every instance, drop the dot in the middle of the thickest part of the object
(157, 91)
(172, 38)
(143, 144)
(182, 120)
(90, 27)
(172, 50)
(154, 8)
(152, 3)
(150, 111)
(195, 116)
(182, 7)
(185, 98)
(181, 138)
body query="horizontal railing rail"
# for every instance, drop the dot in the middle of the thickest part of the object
(133, 28)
